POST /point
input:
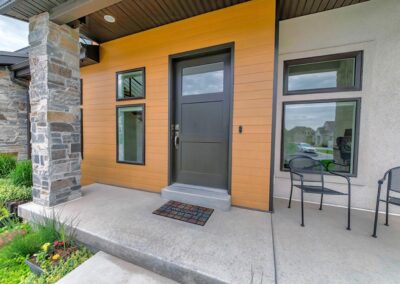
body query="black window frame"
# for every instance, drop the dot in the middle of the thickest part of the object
(143, 69)
(357, 100)
(144, 135)
(358, 55)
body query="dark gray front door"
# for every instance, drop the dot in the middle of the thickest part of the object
(201, 121)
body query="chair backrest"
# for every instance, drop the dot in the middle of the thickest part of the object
(394, 179)
(311, 169)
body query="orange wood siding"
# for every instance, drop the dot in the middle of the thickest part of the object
(251, 26)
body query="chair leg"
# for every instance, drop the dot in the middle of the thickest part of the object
(322, 197)
(376, 212)
(302, 208)
(290, 197)
(349, 212)
(387, 210)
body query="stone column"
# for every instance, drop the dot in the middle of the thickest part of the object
(13, 116)
(55, 111)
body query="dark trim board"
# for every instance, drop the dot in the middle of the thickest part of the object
(274, 106)
(356, 132)
(227, 47)
(144, 134)
(358, 55)
(143, 69)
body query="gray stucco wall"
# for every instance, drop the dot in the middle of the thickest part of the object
(373, 27)
(13, 116)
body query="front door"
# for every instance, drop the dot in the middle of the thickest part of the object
(201, 121)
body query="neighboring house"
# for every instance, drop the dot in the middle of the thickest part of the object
(324, 135)
(195, 93)
(300, 134)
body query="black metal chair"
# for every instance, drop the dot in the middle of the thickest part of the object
(310, 173)
(393, 184)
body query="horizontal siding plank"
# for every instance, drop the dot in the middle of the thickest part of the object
(252, 99)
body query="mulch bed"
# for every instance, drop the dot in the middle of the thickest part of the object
(7, 237)
(185, 212)
(64, 255)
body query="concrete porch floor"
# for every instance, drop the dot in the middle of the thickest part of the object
(235, 246)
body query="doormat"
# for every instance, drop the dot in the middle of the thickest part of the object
(185, 212)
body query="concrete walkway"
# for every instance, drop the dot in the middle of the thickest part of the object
(103, 268)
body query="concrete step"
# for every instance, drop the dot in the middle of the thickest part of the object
(104, 268)
(198, 195)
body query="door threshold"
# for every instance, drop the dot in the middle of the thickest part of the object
(210, 197)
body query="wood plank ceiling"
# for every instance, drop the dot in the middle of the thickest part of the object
(23, 10)
(295, 8)
(133, 16)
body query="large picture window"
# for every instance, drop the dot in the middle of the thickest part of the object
(331, 73)
(326, 131)
(130, 134)
(131, 84)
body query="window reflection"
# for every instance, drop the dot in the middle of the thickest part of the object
(322, 75)
(203, 79)
(131, 134)
(131, 84)
(323, 131)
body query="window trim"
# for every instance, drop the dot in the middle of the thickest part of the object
(143, 69)
(356, 131)
(358, 55)
(144, 135)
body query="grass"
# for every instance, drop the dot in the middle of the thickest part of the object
(10, 192)
(22, 174)
(7, 164)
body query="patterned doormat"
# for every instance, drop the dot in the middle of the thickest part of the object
(185, 212)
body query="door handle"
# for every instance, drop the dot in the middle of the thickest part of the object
(176, 140)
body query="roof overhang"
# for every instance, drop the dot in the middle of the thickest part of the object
(10, 58)
(19, 63)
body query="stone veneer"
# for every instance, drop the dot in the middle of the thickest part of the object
(13, 116)
(55, 111)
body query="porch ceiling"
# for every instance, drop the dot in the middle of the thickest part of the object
(133, 16)
(296, 8)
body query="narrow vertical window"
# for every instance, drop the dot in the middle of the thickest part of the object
(130, 134)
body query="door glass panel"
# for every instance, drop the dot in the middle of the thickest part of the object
(203, 79)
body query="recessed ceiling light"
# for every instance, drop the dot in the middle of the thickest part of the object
(109, 18)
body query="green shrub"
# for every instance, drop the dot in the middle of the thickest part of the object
(22, 175)
(7, 164)
(24, 245)
(10, 192)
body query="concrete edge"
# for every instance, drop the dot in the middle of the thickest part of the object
(147, 261)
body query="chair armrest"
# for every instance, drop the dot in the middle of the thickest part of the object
(340, 175)
(333, 162)
(298, 174)
(382, 180)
